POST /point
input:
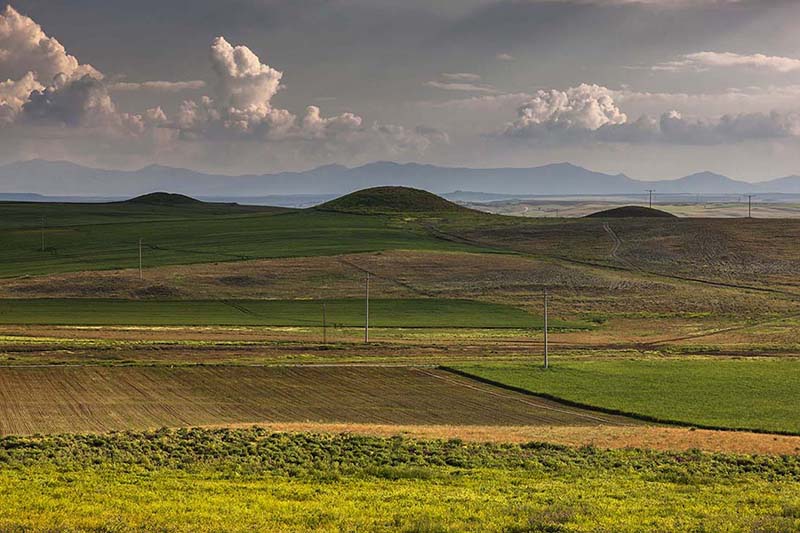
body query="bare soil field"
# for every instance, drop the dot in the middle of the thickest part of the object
(96, 399)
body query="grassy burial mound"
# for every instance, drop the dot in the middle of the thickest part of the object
(631, 211)
(388, 200)
(163, 198)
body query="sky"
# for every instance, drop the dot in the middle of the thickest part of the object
(655, 89)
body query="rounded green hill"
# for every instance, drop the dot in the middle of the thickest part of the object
(163, 198)
(391, 200)
(631, 211)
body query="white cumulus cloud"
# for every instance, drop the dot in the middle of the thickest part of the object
(24, 47)
(589, 113)
(586, 107)
(47, 87)
(14, 94)
(242, 106)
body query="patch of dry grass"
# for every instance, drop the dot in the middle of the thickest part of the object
(644, 437)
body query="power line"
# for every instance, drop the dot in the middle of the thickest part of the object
(651, 191)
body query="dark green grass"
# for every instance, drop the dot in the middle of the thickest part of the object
(345, 312)
(106, 237)
(759, 395)
(257, 480)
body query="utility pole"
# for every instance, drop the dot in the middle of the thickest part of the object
(651, 191)
(44, 222)
(546, 359)
(140, 260)
(324, 325)
(749, 206)
(366, 319)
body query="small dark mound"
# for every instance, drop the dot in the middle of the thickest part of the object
(391, 200)
(631, 211)
(163, 198)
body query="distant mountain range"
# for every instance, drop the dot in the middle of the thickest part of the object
(63, 179)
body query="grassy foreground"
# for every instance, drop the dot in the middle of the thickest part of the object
(417, 313)
(253, 479)
(750, 394)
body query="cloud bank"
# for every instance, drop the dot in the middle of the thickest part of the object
(45, 87)
(589, 113)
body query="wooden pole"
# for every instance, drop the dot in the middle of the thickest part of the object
(140, 260)
(366, 319)
(324, 325)
(546, 354)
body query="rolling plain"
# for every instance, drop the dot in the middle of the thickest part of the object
(669, 403)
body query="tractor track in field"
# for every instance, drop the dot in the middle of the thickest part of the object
(616, 246)
(617, 241)
(239, 307)
(730, 329)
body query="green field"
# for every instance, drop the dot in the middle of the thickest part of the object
(737, 394)
(257, 480)
(81, 238)
(384, 313)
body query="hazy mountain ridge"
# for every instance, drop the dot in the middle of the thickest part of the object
(59, 178)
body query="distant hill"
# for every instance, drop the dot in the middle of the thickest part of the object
(163, 198)
(391, 200)
(22, 197)
(59, 178)
(631, 211)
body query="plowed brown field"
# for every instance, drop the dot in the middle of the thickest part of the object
(89, 399)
